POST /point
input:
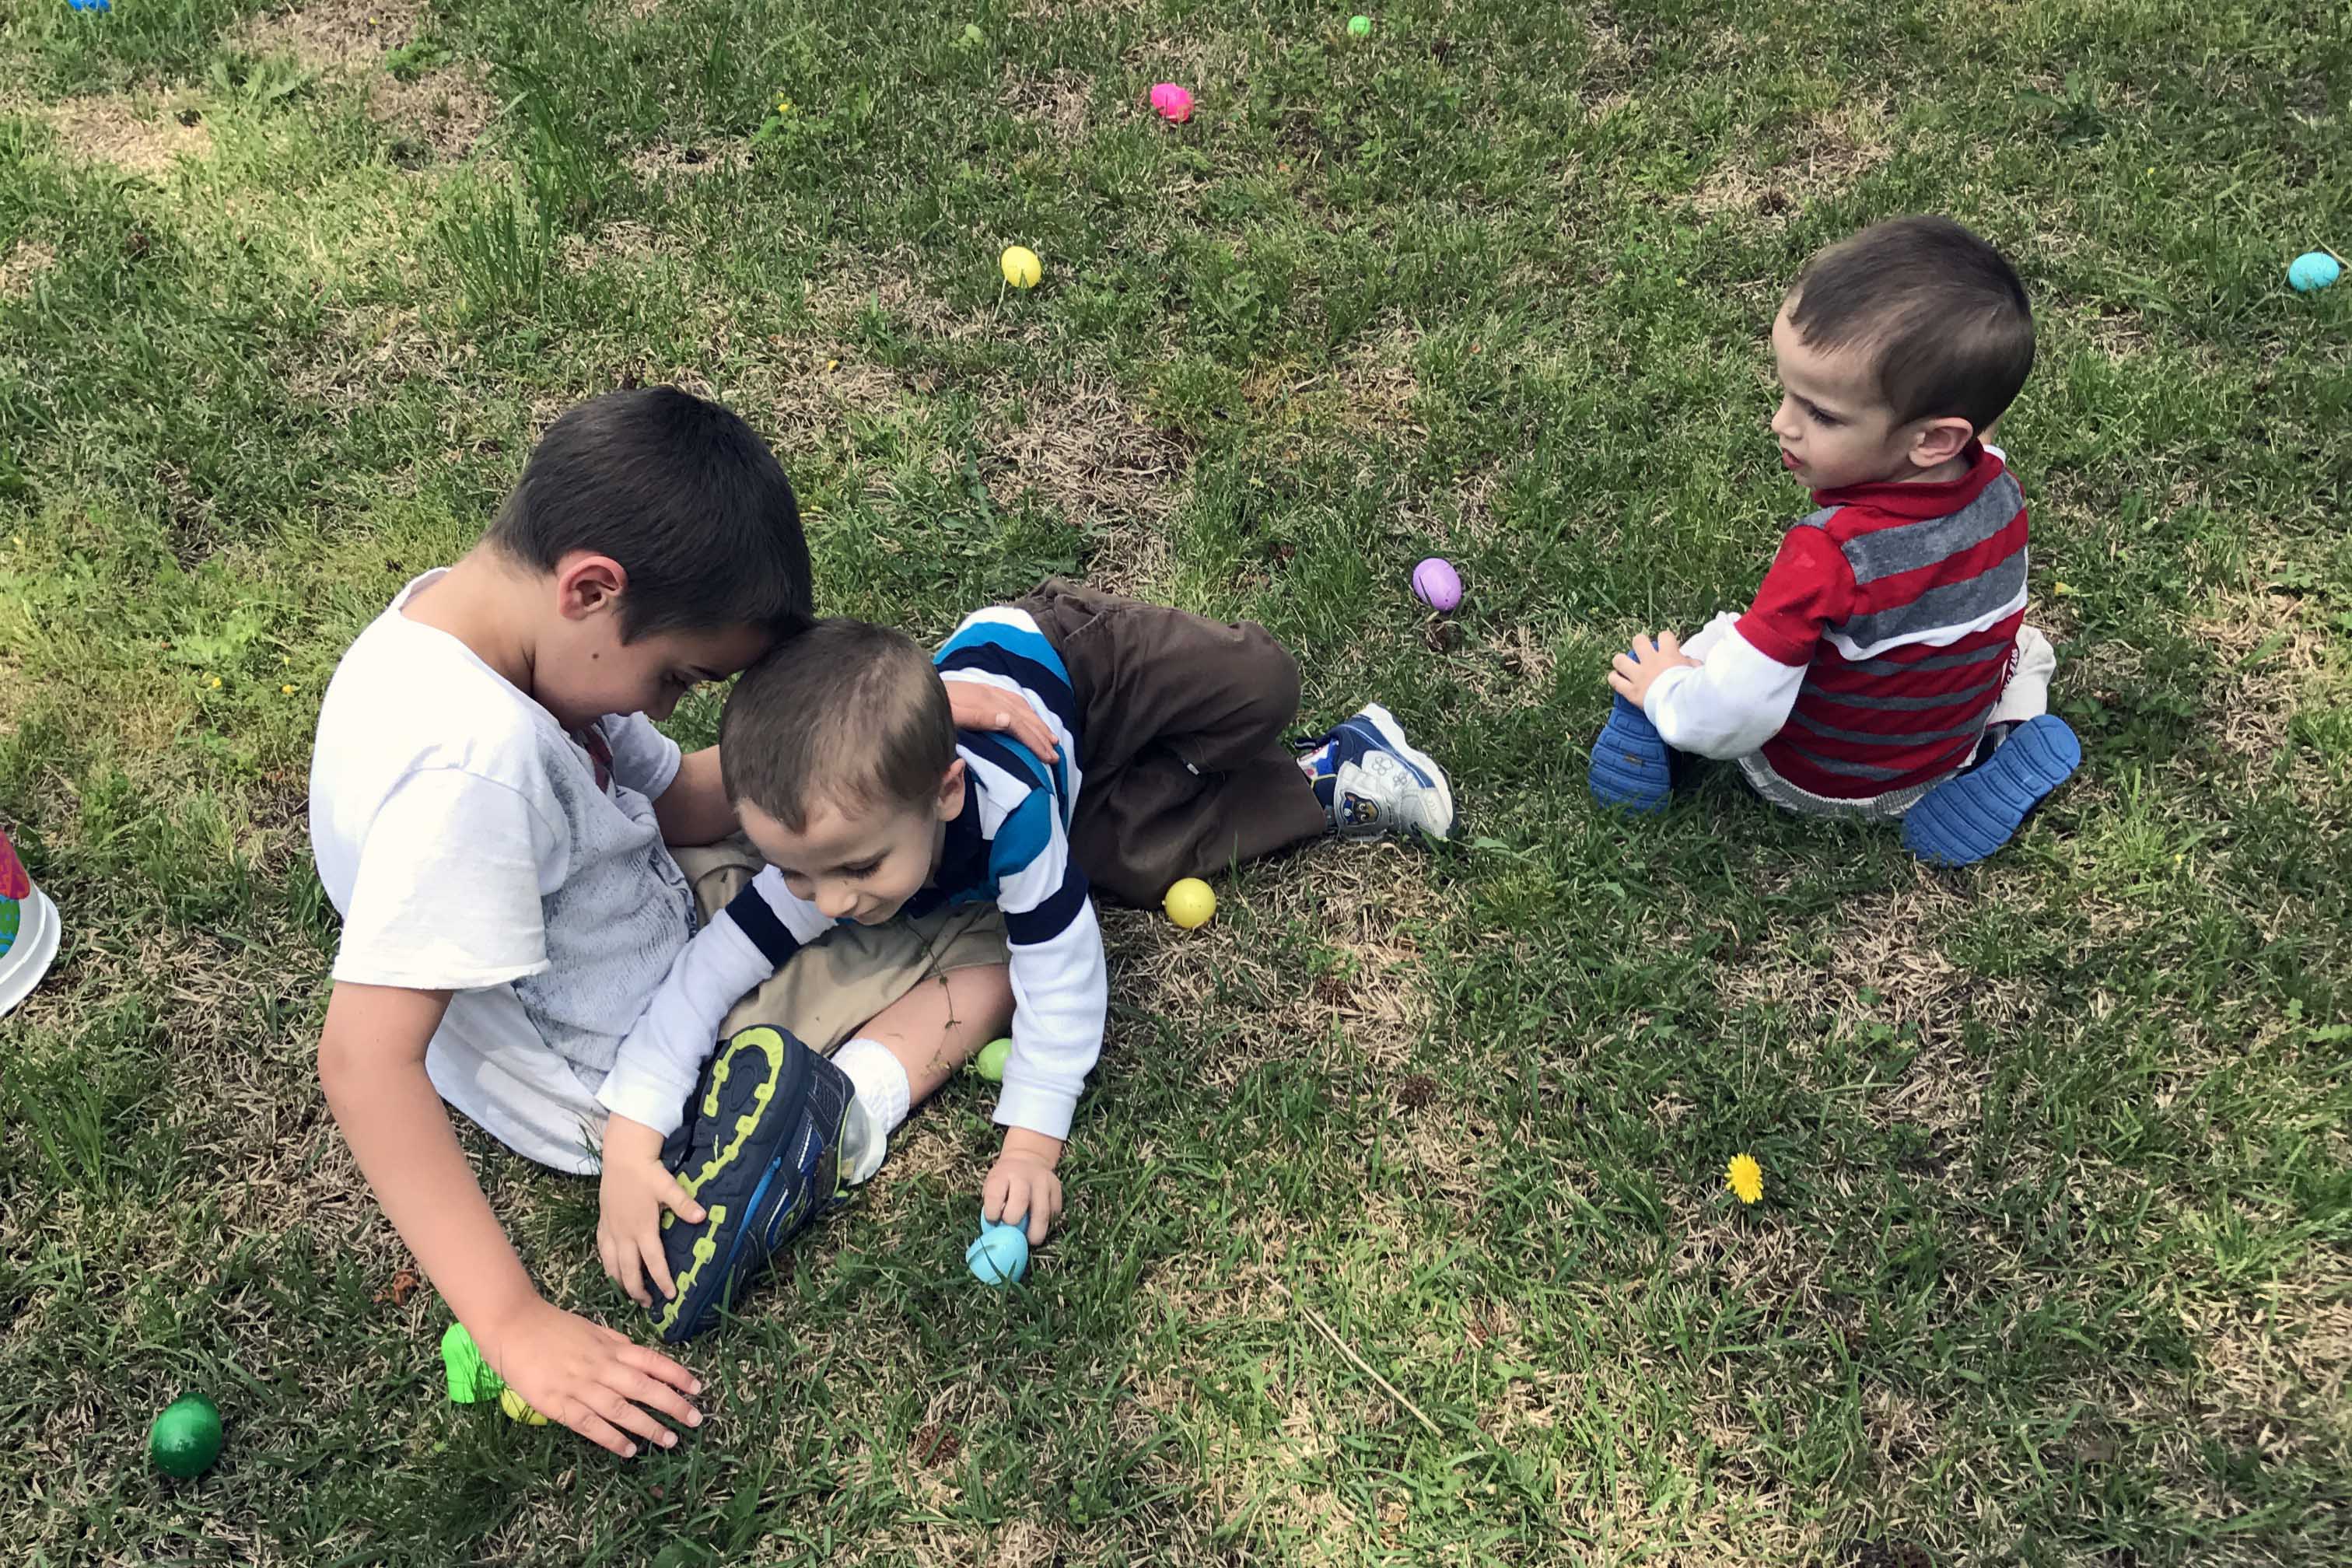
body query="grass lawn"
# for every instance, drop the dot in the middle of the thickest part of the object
(2055, 1260)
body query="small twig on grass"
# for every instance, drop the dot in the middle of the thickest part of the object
(1362, 1365)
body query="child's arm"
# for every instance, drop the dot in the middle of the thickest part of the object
(594, 1381)
(657, 1065)
(1743, 694)
(1061, 997)
(695, 810)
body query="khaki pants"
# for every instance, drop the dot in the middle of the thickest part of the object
(834, 985)
(1181, 722)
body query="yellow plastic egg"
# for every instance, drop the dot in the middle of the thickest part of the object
(1021, 267)
(1191, 903)
(513, 1404)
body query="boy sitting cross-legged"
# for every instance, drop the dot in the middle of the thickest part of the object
(1884, 669)
(870, 807)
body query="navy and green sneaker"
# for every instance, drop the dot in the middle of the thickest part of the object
(761, 1154)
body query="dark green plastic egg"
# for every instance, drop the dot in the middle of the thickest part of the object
(186, 1438)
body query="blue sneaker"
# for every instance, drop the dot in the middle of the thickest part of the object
(1964, 819)
(1373, 782)
(1631, 767)
(761, 1154)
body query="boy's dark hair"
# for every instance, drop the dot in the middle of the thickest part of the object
(847, 712)
(1941, 309)
(682, 494)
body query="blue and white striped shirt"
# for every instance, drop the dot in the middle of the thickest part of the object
(1009, 845)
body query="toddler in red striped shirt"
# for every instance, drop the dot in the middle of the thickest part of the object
(1883, 670)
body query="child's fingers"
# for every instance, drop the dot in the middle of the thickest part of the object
(1670, 645)
(639, 1389)
(653, 1363)
(649, 1248)
(681, 1201)
(577, 1415)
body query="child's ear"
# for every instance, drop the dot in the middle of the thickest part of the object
(586, 582)
(1938, 441)
(949, 804)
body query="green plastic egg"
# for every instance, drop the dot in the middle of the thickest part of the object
(186, 1438)
(990, 1063)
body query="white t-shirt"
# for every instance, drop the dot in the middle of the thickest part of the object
(471, 846)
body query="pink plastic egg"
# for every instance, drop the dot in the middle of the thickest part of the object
(1436, 584)
(1174, 104)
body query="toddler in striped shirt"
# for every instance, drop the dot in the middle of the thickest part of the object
(1883, 670)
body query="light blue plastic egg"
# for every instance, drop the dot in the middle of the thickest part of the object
(2313, 270)
(1001, 1254)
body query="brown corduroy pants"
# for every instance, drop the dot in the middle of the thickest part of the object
(1181, 722)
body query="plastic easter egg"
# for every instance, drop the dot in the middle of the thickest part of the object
(1360, 27)
(1436, 584)
(186, 1437)
(990, 1063)
(1191, 903)
(1174, 104)
(1021, 267)
(518, 1409)
(1000, 1255)
(2314, 270)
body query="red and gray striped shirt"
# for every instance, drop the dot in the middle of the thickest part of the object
(1902, 602)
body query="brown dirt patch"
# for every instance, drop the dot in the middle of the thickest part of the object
(447, 109)
(335, 35)
(2276, 661)
(112, 130)
(347, 40)
(1060, 102)
(667, 163)
(27, 260)
(1836, 148)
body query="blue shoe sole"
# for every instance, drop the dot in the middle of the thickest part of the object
(770, 1119)
(1630, 768)
(1962, 821)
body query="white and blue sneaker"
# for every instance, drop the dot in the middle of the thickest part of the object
(1373, 782)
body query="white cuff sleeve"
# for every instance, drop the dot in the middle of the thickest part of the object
(1729, 706)
(663, 1056)
(1061, 996)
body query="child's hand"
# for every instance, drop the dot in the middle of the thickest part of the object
(974, 705)
(1631, 676)
(594, 1381)
(635, 1190)
(1022, 1182)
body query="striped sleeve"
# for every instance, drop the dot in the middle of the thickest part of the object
(1809, 588)
(1004, 648)
(755, 935)
(1061, 988)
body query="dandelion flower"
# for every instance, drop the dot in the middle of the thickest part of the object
(784, 106)
(287, 689)
(213, 682)
(1744, 1177)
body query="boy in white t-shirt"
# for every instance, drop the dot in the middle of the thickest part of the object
(490, 810)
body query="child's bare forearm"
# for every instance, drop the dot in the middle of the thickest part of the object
(695, 809)
(371, 1065)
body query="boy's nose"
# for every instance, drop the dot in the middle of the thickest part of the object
(835, 901)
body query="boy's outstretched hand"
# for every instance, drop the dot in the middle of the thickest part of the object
(599, 1383)
(1631, 675)
(1023, 1181)
(635, 1189)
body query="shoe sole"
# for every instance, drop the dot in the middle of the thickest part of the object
(1962, 820)
(1392, 735)
(789, 1067)
(1629, 769)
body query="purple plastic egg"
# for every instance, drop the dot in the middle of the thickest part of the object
(1436, 584)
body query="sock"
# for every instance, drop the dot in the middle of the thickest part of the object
(1321, 767)
(882, 1092)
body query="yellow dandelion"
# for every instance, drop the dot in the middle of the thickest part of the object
(1744, 1177)
(2064, 590)
(287, 689)
(784, 106)
(213, 682)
